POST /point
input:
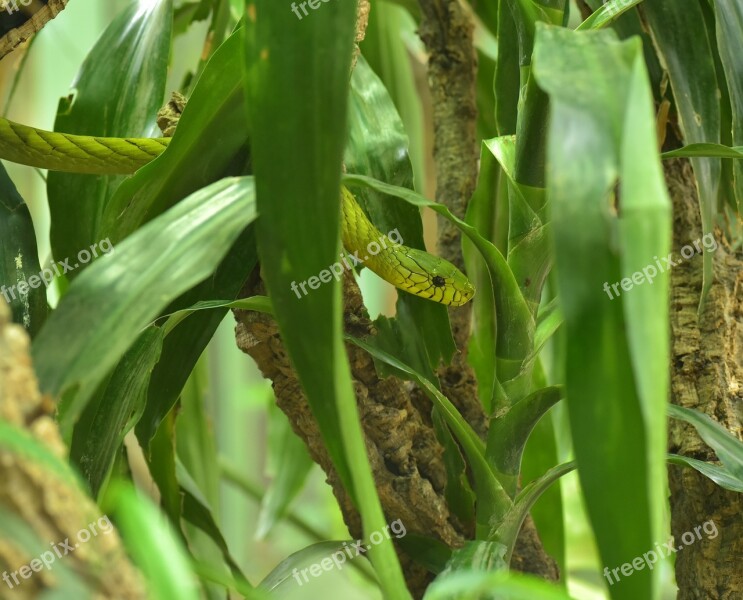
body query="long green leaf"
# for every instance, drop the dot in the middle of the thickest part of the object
(153, 545)
(685, 51)
(614, 389)
(729, 21)
(499, 585)
(103, 312)
(728, 448)
(298, 189)
(509, 433)
(713, 472)
(117, 406)
(117, 93)
(492, 501)
(205, 146)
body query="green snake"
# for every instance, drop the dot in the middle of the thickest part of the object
(408, 269)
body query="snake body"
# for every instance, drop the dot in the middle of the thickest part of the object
(408, 269)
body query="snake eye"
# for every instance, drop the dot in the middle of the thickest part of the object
(438, 281)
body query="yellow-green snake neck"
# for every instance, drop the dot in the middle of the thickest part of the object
(408, 269)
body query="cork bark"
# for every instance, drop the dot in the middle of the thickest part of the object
(706, 375)
(52, 506)
(405, 457)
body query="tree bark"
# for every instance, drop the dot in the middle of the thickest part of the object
(707, 371)
(405, 456)
(52, 506)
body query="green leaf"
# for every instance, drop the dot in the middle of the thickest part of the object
(713, 472)
(100, 432)
(602, 128)
(728, 448)
(103, 312)
(117, 93)
(19, 261)
(607, 13)
(540, 454)
(198, 512)
(684, 48)
(508, 530)
(509, 433)
(705, 150)
(214, 575)
(299, 230)
(478, 555)
(291, 465)
(287, 575)
(498, 585)
(729, 24)
(483, 214)
(427, 551)
(152, 543)
(205, 146)
(460, 498)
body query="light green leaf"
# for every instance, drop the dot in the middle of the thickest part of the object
(103, 312)
(728, 448)
(602, 129)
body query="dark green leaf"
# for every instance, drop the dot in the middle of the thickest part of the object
(728, 448)
(298, 190)
(713, 472)
(103, 312)
(100, 432)
(19, 261)
(205, 146)
(509, 433)
(602, 128)
(117, 93)
(684, 48)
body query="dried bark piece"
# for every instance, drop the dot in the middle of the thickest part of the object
(19, 23)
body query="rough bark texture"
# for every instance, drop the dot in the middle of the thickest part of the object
(50, 505)
(707, 372)
(403, 451)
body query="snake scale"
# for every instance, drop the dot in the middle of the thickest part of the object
(408, 269)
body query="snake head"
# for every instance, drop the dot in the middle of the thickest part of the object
(434, 278)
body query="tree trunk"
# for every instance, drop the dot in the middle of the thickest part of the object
(46, 501)
(707, 374)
